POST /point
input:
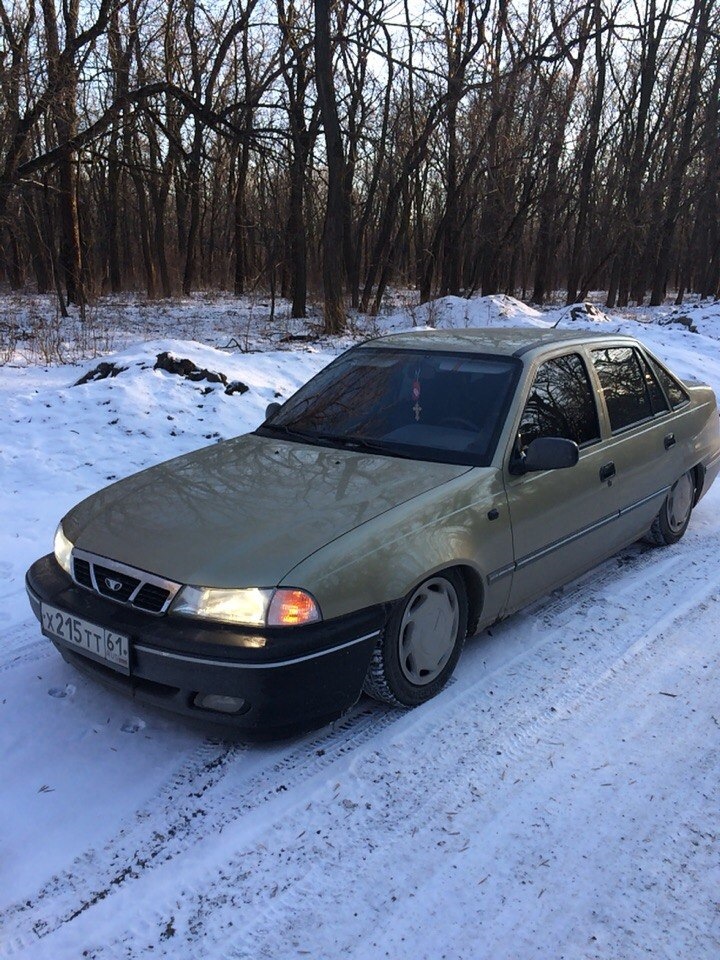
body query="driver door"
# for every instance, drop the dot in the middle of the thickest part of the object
(562, 520)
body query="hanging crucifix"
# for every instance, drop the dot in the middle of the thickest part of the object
(417, 409)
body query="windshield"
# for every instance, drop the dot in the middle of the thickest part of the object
(427, 405)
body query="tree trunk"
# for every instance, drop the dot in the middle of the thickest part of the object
(333, 246)
(36, 241)
(161, 246)
(193, 229)
(112, 252)
(240, 221)
(698, 28)
(585, 199)
(63, 76)
(296, 234)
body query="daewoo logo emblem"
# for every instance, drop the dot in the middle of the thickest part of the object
(113, 585)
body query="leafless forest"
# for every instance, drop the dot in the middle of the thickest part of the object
(327, 150)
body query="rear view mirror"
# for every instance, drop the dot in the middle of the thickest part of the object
(272, 409)
(550, 453)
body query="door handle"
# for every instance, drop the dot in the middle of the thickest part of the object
(669, 440)
(607, 470)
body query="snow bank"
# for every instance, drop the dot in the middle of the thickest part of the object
(459, 312)
(702, 317)
(32, 332)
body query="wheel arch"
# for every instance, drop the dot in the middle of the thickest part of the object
(475, 594)
(698, 472)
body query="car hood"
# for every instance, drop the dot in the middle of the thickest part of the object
(246, 511)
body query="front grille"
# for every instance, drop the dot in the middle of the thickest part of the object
(82, 573)
(115, 585)
(151, 598)
(121, 583)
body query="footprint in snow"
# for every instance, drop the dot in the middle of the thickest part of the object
(133, 725)
(61, 692)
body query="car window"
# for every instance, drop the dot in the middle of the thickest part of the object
(657, 397)
(624, 387)
(560, 403)
(674, 392)
(432, 405)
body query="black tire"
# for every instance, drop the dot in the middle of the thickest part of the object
(673, 518)
(401, 671)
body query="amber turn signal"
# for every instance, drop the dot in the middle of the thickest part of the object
(290, 608)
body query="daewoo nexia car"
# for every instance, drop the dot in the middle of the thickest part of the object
(420, 487)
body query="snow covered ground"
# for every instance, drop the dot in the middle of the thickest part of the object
(560, 798)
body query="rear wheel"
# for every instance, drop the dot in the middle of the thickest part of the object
(421, 643)
(674, 516)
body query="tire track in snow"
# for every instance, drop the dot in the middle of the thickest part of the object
(191, 808)
(514, 740)
(17, 648)
(174, 815)
(516, 752)
(29, 654)
(515, 786)
(197, 772)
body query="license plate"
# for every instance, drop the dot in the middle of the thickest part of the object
(88, 638)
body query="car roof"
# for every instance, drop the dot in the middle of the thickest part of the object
(508, 341)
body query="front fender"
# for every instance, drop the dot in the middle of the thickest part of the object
(384, 558)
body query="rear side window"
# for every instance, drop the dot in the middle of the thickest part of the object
(657, 397)
(624, 386)
(560, 403)
(674, 392)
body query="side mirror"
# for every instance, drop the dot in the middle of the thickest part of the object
(550, 453)
(272, 409)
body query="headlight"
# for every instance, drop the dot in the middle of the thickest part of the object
(251, 607)
(63, 550)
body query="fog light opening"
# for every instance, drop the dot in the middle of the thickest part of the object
(218, 702)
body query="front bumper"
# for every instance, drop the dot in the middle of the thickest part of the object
(289, 678)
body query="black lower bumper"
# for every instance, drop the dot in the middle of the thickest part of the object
(288, 679)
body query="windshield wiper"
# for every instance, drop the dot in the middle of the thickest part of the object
(361, 443)
(290, 432)
(333, 440)
(302, 436)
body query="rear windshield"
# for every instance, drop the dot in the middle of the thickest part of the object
(428, 405)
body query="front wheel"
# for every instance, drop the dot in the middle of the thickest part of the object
(421, 643)
(674, 515)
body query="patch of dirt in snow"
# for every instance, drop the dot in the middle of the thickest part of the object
(577, 314)
(702, 317)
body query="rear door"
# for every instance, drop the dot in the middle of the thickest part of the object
(646, 440)
(563, 521)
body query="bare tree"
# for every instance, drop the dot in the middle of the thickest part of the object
(466, 145)
(333, 264)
